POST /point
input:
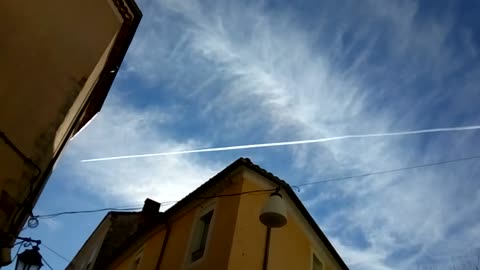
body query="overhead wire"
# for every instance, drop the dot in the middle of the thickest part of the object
(20, 244)
(168, 203)
(56, 253)
(238, 193)
(127, 208)
(46, 263)
(270, 190)
(389, 171)
(84, 212)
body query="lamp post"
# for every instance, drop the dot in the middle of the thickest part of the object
(30, 259)
(273, 215)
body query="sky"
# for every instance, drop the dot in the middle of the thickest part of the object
(202, 74)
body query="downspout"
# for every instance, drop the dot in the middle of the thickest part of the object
(33, 181)
(164, 245)
(15, 149)
(267, 249)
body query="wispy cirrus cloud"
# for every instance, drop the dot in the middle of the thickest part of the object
(121, 127)
(244, 72)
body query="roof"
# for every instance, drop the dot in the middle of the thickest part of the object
(268, 175)
(131, 20)
(122, 229)
(119, 246)
(298, 203)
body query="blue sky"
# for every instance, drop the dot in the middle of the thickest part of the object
(218, 73)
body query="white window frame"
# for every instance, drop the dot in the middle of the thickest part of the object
(315, 254)
(201, 211)
(138, 256)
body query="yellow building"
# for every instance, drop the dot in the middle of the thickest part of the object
(58, 60)
(216, 226)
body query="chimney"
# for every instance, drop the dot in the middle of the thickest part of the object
(151, 207)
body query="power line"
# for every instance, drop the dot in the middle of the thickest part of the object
(168, 203)
(53, 215)
(132, 208)
(20, 244)
(84, 212)
(270, 190)
(238, 194)
(45, 262)
(389, 171)
(56, 253)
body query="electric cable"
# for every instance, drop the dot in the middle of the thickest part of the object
(389, 171)
(238, 194)
(167, 203)
(46, 263)
(127, 208)
(56, 253)
(84, 212)
(20, 244)
(297, 186)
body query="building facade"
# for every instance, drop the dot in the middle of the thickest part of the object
(58, 61)
(217, 227)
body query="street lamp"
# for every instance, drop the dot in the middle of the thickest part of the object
(273, 215)
(29, 260)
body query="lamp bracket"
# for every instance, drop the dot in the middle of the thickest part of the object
(29, 240)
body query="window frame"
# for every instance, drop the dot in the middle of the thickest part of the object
(204, 232)
(314, 255)
(138, 257)
(210, 206)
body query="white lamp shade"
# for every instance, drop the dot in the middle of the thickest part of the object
(274, 213)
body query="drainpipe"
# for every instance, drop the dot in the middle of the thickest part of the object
(33, 181)
(267, 249)
(164, 246)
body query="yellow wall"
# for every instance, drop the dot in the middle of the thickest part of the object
(177, 252)
(237, 236)
(249, 235)
(150, 249)
(291, 247)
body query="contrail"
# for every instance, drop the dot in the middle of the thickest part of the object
(263, 145)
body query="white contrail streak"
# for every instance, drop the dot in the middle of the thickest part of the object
(263, 145)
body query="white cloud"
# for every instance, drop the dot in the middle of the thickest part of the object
(121, 128)
(250, 66)
(52, 224)
(360, 259)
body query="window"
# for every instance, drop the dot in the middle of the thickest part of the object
(316, 263)
(200, 236)
(135, 264)
(136, 261)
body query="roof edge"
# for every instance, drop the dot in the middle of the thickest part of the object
(268, 175)
(122, 43)
(298, 203)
